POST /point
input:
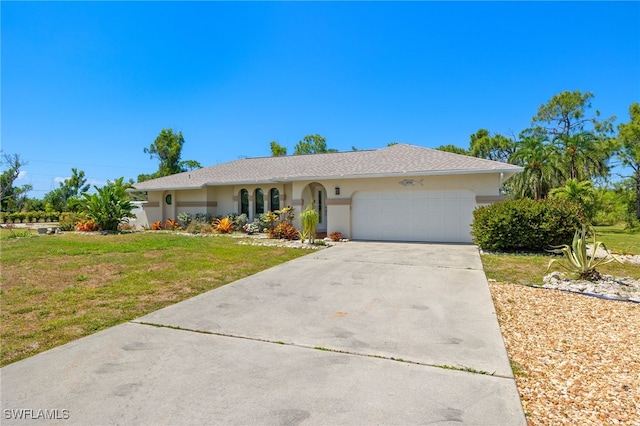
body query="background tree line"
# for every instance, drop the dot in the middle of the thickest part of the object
(567, 152)
(108, 205)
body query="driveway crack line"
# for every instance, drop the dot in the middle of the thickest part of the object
(325, 349)
(468, 268)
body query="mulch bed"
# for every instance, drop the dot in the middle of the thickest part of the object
(576, 358)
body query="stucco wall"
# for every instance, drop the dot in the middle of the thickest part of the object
(152, 209)
(191, 201)
(224, 196)
(222, 200)
(482, 184)
(339, 206)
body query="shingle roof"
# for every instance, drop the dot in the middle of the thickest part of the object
(395, 160)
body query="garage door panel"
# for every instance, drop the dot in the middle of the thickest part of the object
(420, 215)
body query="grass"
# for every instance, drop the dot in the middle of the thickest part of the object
(530, 269)
(17, 233)
(463, 368)
(58, 288)
(619, 240)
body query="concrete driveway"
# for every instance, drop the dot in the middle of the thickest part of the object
(361, 333)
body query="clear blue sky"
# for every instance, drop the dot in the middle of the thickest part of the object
(90, 85)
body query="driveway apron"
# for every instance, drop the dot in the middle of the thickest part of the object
(360, 333)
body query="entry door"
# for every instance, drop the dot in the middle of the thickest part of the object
(168, 205)
(321, 207)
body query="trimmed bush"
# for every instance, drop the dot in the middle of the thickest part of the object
(526, 224)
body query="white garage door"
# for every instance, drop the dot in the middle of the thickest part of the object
(420, 215)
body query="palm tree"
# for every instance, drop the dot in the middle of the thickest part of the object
(583, 156)
(629, 152)
(540, 173)
(579, 192)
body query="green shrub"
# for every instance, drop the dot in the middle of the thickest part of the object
(185, 219)
(262, 221)
(526, 224)
(109, 206)
(239, 220)
(50, 216)
(204, 217)
(19, 217)
(68, 220)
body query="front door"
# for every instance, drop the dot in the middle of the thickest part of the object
(321, 207)
(168, 206)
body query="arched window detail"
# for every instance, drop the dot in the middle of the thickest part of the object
(274, 199)
(244, 202)
(259, 201)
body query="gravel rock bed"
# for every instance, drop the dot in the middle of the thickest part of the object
(602, 253)
(608, 287)
(263, 240)
(282, 243)
(576, 359)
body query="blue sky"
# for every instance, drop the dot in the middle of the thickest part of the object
(91, 84)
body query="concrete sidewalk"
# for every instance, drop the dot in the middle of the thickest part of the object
(361, 333)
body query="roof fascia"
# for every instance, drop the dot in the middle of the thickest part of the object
(170, 188)
(511, 171)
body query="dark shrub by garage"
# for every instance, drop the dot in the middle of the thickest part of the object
(526, 225)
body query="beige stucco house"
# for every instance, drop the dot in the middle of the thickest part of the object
(398, 193)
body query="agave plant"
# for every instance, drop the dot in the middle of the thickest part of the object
(576, 259)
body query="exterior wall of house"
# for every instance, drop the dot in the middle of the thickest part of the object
(152, 209)
(485, 186)
(224, 196)
(222, 200)
(140, 220)
(190, 201)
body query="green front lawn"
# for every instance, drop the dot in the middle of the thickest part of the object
(58, 288)
(530, 269)
(619, 240)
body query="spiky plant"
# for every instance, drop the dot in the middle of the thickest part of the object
(577, 261)
(224, 225)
